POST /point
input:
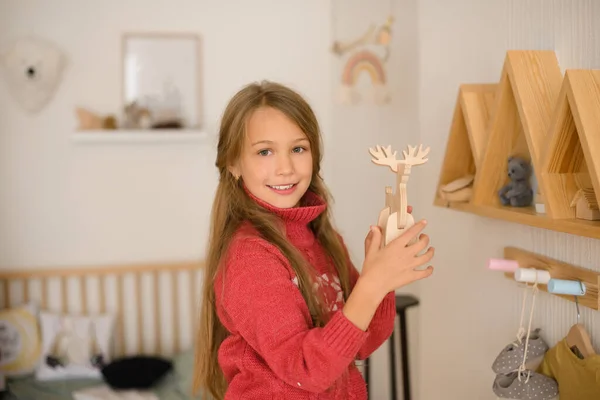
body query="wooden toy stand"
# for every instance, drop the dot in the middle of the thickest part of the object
(394, 217)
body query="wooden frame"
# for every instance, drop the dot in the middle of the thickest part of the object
(536, 113)
(558, 270)
(56, 286)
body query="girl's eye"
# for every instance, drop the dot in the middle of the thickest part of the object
(299, 149)
(264, 152)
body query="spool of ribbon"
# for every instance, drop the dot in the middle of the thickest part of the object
(499, 264)
(532, 275)
(568, 287)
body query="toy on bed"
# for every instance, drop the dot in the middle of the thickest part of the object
(394, 218)
(518, 192)
(70, 348)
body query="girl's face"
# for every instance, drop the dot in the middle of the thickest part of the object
(276, 159)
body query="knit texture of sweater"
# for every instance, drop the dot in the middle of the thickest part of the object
(273, 351)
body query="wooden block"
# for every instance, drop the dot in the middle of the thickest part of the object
(529, 86)
(468, 132)
(587, 214)
(571, 157)
(558, 270)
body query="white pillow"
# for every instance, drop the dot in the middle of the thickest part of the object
(72, 343)
(20, 344)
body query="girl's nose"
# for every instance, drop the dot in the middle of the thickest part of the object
(284, 165)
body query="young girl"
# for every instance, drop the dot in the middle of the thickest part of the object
(285, 313)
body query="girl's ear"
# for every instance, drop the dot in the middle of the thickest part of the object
(235, 171)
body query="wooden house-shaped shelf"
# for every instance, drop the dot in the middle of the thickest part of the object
(468, 135)
(572, 161)
(551, 121)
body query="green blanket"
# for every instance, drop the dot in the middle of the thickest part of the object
(174, 386)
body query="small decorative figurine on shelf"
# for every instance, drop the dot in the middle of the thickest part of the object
(89, 120)
(586, 205)
(518, 192)
(136, 116)
(459, 190)
(394, 218)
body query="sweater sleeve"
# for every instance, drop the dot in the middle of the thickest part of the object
(383, 323)
(267, 309)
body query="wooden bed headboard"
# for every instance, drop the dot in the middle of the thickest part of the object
(156, 305)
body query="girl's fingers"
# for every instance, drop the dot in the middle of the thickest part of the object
(424, 273)
(420, 244)
(406, 236)
(373, 241)
(425, 257)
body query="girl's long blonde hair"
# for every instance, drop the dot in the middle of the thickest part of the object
(232, 206)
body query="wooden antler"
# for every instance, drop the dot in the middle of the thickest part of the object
(415, 159)
(396, 205)
(384, 156)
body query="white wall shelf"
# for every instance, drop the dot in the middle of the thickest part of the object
(141, 136)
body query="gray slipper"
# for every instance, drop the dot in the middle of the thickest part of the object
(511, 357)
(538, 387)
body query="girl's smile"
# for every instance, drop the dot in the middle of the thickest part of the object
(284, 189)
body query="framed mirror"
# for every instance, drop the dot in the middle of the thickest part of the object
(161, 81)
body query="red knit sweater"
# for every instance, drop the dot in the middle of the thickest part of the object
(273, 351)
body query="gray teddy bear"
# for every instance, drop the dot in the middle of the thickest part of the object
(518, 192)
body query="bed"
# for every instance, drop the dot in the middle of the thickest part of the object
(151, 309)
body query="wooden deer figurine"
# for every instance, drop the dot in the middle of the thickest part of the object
(394, 218)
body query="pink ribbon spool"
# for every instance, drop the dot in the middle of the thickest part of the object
(499, 264)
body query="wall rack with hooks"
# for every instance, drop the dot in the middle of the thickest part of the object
(557, 270)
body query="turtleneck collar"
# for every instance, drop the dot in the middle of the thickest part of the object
(297, 219)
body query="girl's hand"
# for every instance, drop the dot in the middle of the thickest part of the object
(409, 210)
(394, 266)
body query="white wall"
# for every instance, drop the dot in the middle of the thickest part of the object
(71, 204)
(358, 184)
(464, 41)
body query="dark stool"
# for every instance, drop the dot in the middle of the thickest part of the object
(403, 302)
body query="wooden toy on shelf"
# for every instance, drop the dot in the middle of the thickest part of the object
(586, 205)
(89, 120)
(459, 190)
(394, 217)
